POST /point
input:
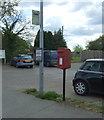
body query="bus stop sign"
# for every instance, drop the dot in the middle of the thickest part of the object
(39, 55)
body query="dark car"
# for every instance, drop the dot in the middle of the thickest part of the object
(90, 77)
(22, 60)
(50, 58)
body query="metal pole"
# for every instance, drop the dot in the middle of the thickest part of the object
(41, 64)
(62, 31)
(64, 71)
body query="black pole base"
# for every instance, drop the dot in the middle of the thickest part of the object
(64, 71)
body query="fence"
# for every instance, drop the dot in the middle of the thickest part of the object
(91, 54)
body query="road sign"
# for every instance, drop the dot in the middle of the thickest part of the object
(2, 54)
(35, 17)
(38, 55)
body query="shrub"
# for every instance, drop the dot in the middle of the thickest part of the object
(31, 90)
(51, 95)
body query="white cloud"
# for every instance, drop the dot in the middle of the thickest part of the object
(58, 1)
(82, 40)
(82, 20)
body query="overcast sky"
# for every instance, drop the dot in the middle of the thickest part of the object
(82, 20)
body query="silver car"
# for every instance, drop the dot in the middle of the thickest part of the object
(22, 60)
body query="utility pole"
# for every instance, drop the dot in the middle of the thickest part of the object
(41, 45)
(62, 31)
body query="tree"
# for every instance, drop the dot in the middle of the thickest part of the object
(78, 49)
(13, 45)
(36, 42)
(59, 40)
(22, 47)
(97, 44)
(12, 27)
(8, 9)
(51, 42)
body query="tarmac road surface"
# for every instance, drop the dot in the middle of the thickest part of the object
(16, 104)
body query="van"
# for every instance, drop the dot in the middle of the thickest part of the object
(50, 58)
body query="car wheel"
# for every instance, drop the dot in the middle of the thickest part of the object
(47, 64)
(80, 87)
(17, 66)
(11, 64)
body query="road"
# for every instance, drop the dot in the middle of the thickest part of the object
(15, 80)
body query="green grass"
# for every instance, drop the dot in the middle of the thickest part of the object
(75, 100)
(85, 105)
(30, 91)
(94, 107)
(75, 59)
(51, 95)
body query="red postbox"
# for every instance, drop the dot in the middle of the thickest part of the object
(64, 62)
(64, 58)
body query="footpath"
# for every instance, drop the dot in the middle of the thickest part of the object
(19, 105)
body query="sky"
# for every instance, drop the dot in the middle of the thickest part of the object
(82, 21)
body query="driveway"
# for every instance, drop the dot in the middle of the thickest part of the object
(17, 104)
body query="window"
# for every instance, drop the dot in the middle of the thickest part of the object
(47, 55)
(102, 67)
(91, 66)
(15, 58)
(27, 57)
(54, 54)
(96, 66)
(18, 57)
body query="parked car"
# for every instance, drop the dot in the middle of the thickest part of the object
(50, 58)
(22, 60)
(90, 77)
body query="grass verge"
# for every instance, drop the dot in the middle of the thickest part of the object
(85, 105)
(75, 59)
(30, 91)
(51, 95)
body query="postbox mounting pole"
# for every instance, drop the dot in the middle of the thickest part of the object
(64, 76)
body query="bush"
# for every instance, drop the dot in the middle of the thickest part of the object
(31, 90)
(51, 95)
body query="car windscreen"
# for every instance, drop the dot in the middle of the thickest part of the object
(54, 55)
(102, 66)
(91, 66)
(26, 57)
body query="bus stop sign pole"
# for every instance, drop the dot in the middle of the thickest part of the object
(41, 45)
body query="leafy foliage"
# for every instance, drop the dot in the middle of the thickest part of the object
(51, 95)
(51, 42)
(78, 49)
(13, 45)
(31, 90)
(7, 9)
(97, 44)
(12, 27)
(59, 40)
